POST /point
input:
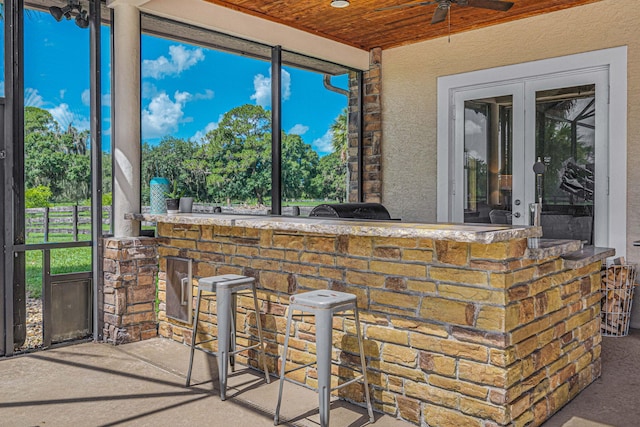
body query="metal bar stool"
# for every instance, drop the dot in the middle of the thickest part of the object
(323, 304)
(226, 288)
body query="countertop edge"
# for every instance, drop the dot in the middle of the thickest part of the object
(546, 248)
(466, 233)
(587, 255)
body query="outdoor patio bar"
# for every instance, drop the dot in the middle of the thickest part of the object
(463, 324)
(424, 213)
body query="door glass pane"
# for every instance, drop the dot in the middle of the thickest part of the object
(488, 145)
(565, 142)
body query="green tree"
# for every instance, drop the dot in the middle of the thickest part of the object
(331, 181)
(340, 135)
(169, 159)
(238, 153)
(55, 158)
(299, 167)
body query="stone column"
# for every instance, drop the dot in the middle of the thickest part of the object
(129, 289)
(126, 117)
(371, 131)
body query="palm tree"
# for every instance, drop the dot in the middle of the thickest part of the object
(340, 133)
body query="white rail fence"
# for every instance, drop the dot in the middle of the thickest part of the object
(76, 220)
(63, 220)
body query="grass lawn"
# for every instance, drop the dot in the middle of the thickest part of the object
(72, 260)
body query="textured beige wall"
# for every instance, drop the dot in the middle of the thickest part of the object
(410, 97)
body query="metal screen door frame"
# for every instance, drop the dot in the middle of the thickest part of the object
(12, 218)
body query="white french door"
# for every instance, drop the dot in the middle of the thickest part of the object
(488, 145)
(501, 130)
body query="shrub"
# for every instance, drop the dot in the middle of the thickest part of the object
(107, 199)
(37, 197)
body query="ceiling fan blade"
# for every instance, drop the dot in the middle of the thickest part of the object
(439, 15)
(406, 5)
(491, 4)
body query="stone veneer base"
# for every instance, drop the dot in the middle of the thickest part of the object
(456, 333)
(129, 289)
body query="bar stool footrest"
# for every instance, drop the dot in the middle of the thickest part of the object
(204, 342)
(300, 367)
(251, 347)
(351, 381)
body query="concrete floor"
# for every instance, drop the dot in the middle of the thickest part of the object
(143, 384)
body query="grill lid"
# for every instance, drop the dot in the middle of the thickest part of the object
(351, 210)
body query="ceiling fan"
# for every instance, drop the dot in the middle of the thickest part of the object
(442, 10)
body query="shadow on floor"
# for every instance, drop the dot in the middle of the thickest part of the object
(143, 384)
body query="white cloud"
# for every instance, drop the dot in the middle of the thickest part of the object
(262, 87)
(62, 93)
(106, 100)
(149, 90)
(2, 87)
(163, 115)
(208, 94)
(286, 85)
(181, 59)
(299, 129)
(32, 98)
(61, 113)
(86, 98)
(65, 117)
(472, 128)
(199, 136)
(323, 145)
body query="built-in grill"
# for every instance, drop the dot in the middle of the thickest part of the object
(369, 211)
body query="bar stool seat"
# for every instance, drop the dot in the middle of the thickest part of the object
(323, 304)
(226, 288)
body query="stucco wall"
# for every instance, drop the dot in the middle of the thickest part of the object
(410, 97)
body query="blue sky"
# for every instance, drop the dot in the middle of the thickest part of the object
(185, 89)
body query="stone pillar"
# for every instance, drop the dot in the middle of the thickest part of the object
(129, 289)
(371, 130)
(126, 116)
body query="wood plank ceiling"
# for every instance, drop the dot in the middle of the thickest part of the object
(362, 26)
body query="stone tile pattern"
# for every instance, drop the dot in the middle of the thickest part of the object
(371, 131)
(129, 289)
(456, 334)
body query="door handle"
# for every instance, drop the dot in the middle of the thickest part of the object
(516, 214)
(183, 283)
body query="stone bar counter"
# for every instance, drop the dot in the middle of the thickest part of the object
(464, 325)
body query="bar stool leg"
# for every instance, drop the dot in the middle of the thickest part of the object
(232, 343)
(224, 337)
(194, 334)
(276, 418)
(363, 364)
(260, 339)
(324, 329)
